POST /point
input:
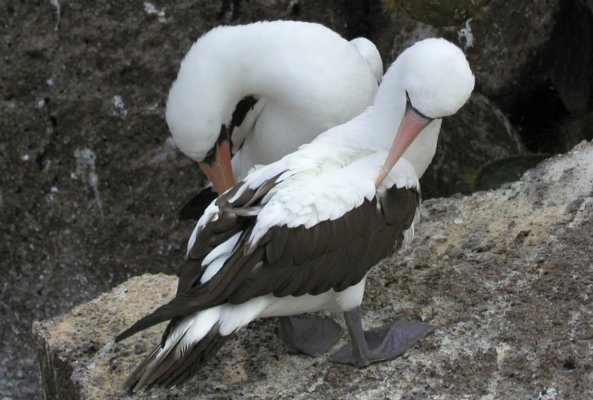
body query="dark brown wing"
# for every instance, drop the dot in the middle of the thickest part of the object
(194, 207)
(289, 261)
(214, 233)
(332, 254)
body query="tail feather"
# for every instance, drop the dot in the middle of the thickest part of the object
(152, 319)
(187, 366)
(159, 360)
(177, 361)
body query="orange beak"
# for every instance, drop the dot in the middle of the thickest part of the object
(218, 168)
(411, 125)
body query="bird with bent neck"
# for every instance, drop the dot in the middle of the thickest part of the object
(257, 92)
(301, 234)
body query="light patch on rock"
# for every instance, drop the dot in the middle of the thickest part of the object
(291, 5)
(56, 4)
(150, 9)
(52, 195)
(466, 36)
(153, 108)
(548, 394)
(167, 151)
(582, 212)
(502, 350)
(86, 171)
(119, 106)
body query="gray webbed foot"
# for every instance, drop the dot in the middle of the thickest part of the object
(379, 344)
(309, 335)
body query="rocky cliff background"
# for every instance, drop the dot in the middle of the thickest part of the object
(90, 184)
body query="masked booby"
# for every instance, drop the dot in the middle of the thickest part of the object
(259, 91)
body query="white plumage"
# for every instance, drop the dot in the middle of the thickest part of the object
(304, 77)
(371, 165)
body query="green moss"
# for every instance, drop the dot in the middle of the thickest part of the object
(437, 12)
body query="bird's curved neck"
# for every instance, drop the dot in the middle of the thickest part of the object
(381, 120)
(230, 63)
(214, 76)
(375, 129)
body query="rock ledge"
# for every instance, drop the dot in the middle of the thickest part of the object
(507, 275)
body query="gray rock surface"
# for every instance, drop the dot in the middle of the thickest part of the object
(506, 275)
(503, 53)
(503, 41)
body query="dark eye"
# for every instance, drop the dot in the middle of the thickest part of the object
(409, 104)
(209, 158)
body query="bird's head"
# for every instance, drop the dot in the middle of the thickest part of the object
(437, 81)
(197, 125)
(436, 77)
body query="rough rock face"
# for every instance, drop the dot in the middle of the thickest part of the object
(501, 54)
(506, 275)
(506, 61)
(438, 12)
(90, 185)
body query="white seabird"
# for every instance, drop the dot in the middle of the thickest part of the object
(263, 89)
(301, 234)
(259, 91)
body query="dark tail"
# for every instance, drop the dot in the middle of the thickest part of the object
(176, 361)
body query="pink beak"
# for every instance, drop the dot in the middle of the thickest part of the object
(411, 125)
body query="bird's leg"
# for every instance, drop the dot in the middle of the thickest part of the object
(379, 344)
(309, 335)
(359, 349)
